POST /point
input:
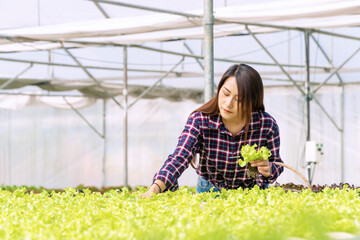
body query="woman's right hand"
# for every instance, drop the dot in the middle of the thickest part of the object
(154, 189)
(148, 194)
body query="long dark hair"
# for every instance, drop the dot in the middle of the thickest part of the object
(250, 91)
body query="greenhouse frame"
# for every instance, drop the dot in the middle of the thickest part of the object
(324, 79)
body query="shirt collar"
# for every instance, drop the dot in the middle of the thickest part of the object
(215, 122)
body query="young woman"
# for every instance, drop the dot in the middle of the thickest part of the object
(217, 130)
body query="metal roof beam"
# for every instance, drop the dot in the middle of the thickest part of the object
(100, 8)
(336, 70)
(16, 77)
(290, 28)
(326, 56)
(223, 59)
(92, 77)
(87, 67)
(273, 58)
(83, 118)
(151, 87)
(147, 8)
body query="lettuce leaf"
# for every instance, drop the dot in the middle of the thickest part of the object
(249, 153)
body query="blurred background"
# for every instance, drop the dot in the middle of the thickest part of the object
(63, 65)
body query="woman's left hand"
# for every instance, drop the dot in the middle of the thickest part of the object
(263, 167)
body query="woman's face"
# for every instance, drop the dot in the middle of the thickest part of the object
(228, 100)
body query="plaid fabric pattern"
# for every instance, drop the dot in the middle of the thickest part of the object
(208, 136)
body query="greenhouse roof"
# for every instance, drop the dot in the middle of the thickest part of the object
(259, 17)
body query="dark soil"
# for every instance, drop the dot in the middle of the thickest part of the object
(316, 188)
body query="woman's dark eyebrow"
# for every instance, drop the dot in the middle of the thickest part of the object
(229, 90)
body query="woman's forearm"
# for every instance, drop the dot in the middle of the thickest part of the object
(157, 187)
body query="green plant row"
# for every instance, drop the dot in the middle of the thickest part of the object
(79, 187)
(235, 214)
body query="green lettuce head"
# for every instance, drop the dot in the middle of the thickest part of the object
(249, 153)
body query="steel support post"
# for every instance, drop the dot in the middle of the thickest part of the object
(105, 145)
(308, 97)
(341, 128)
(307, 85)
(342, 157)
(103, 135)
(209, 50)
(125, 95)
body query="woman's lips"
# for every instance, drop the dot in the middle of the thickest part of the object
(227, 111)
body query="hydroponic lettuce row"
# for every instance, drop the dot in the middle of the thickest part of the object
(287, 187)
(234, 214)
(249, 153)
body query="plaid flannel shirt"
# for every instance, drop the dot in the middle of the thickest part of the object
(218, 149)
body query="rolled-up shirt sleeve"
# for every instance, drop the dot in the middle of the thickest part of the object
(273, 144)
(177, 162)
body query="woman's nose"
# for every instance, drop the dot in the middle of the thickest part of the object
(228, 101)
